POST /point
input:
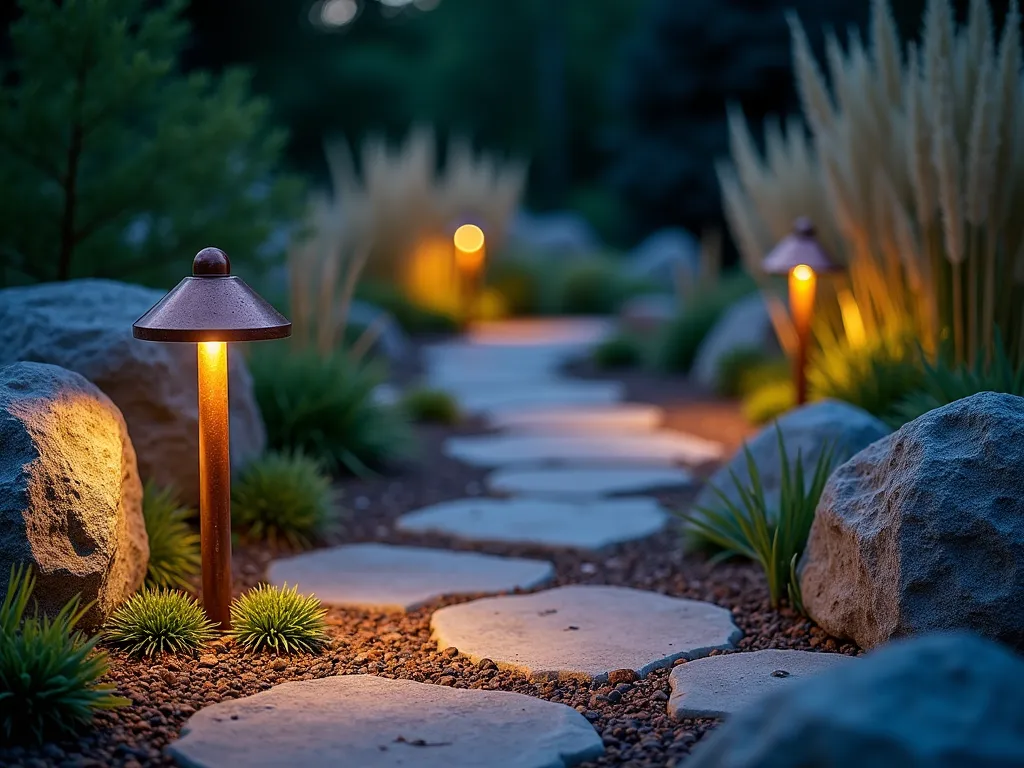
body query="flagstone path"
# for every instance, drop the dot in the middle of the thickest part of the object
(564, 452)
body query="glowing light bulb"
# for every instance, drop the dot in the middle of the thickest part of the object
(803, 273)
(469, 238)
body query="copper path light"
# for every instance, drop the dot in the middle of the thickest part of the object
(212, 308)
(800, 256)
(469, 264)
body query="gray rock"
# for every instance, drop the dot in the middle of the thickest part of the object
(86, 326)
(374, 722)
(70, 495)
(745, 325)
(808, 430)
(719, 686)
(584, 632)
(946, 701)
(662, 254)
(590, 524)
(388, 578)
(924, 530)
(562, 232)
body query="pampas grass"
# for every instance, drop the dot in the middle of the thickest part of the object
(911, 171)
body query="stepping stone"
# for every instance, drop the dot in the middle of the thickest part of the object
(389, 578)
(374, 722)
(584, 632)
(619, 418)
(659, 448)
(580, 331)
(590, 481)
(544, 522)
(719, 686)
(553, 392)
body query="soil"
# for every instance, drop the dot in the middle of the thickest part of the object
(629, 714)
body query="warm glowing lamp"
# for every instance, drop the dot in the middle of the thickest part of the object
(800, 256)
(212, 308)
(469, 260)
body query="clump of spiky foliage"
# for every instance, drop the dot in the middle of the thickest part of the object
(773, 538)
(619, 351)
(283, 498)
(434, 406)
(944, 382)
(911, 175)
(278, 619)
(325, 407)
(745, 369)
(874, 376)
(769, 400)
(173, 544)
(48, 669)
(159, 621)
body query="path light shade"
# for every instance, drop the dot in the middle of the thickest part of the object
(212, 308)
(470, 253)
(800, 256)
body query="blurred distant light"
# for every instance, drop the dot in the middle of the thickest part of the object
(336, 13)
(469, 238)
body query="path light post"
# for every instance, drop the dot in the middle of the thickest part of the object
(211, 308)
(800, 256)
(470, 253)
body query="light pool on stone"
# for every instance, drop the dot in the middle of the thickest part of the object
(584, 632)
(545, 522)
(587, 481)
(486, 397)
(660, 448)
(392, 578)
(718, 686)
(365, 721)
(579, 419)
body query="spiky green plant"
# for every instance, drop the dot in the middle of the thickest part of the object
(278, 619)
(325, 407)
(283, 498)
(48, 669)
(619, 351)
(433, 406)
(944, 382)
(159, 621)
(744, 369)
(173, 544)
(774, 539)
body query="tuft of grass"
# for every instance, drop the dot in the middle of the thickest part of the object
(432, 406)
(681, 338)
(591, 287)
(173, 545)
(324, 407)
(282, 497)
(278, 619)
(159, 621)
(774, 540)
(944, 383)
(769, 401)
(618, 352)
(48, 669)
(743, 370)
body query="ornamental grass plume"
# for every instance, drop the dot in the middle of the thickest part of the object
(911, 170)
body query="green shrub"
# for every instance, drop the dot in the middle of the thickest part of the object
(159, 621)
(270, 618)
(617, 352)
(433, 406)
(743, 370)
(282, 498)
(48, 669)
(411, 317)
(519, 282)
(944, 383)
(769, 401)
(875, 376)
(324, 407)
(773, 539)
(591, 287)
(681, 338)
(173, 544)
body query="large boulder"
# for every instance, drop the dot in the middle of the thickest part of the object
(86, 326)
(70, 495)
(924, 530)
(661, 256)
(747, 324)
(808, 431)
(943, 701)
